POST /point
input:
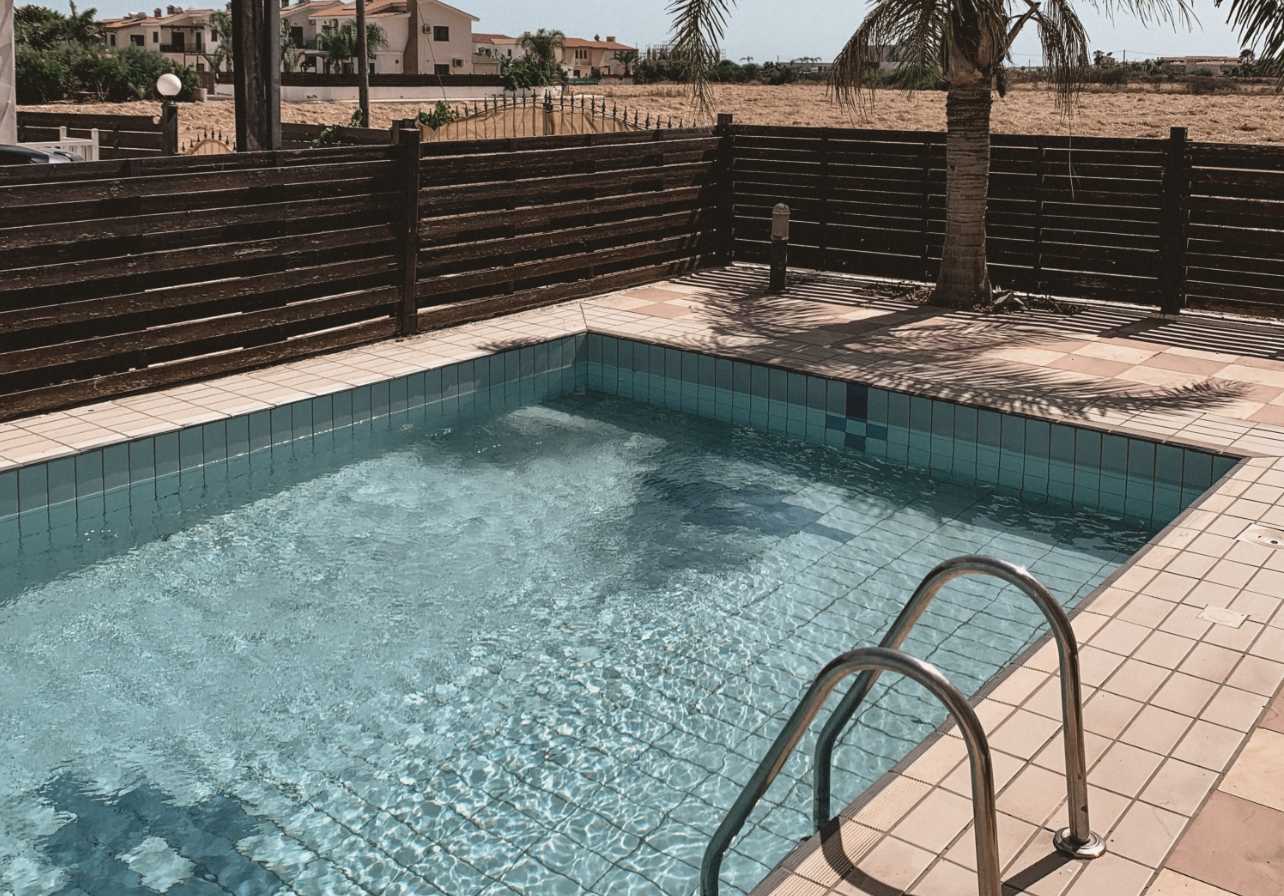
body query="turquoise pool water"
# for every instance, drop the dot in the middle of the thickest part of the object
(537, 653)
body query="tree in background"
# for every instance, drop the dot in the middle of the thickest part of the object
(220, 57)
(1261, 26)
(62, 55)
(628, 59)
(340, 44)
(967, 42)
(541, 46)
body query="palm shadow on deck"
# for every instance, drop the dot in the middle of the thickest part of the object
(875, 329)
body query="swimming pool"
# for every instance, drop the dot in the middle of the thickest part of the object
(475, 631)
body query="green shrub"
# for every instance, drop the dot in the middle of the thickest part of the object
(43, 75)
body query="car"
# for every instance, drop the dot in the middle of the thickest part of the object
(11, 154)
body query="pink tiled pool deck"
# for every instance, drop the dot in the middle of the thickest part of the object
(1182, 650)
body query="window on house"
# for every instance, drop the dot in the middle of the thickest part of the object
(111, 39)
(441, 32)
(136, 40)
(581, 53)
(457, 63)
(441, 69)
(155, 37)
(296, 35)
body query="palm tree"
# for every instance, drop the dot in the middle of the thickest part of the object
(340, 44)
(542, 46)
(1261, 25)
(967, 43)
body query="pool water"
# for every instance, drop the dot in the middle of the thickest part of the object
(540, 653)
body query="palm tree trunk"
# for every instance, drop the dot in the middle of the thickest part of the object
(964, 281)
(363, 67)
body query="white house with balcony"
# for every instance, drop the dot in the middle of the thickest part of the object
(181, 35)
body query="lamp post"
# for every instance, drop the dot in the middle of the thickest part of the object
(168, 86)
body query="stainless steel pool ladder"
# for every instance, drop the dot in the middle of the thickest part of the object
(1076, 840)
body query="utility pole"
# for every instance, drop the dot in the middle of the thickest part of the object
(363, 67)
(256, 74)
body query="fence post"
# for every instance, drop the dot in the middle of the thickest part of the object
(408, 179)
(822, 250)
(925, 212)
(1172, 252)
(169, 128)
(1040, 164)
(726, 200)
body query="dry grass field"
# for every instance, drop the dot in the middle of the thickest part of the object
(1256, 117)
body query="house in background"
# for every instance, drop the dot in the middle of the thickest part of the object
(181, 35)
(389, 16)
(581, 58)
(1189, 65)
(489, 51)
(442, 42)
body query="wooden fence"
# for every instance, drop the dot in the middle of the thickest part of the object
(128, 275)
(123, 275)
(119, 136)
(506, 224)
(1158, 222)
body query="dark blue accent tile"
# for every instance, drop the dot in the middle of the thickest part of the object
(876, 431)
(835, 422)
(857, 401)
(854, 441)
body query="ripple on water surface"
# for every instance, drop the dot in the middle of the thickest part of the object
(540, 653)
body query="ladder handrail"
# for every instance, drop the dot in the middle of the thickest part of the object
(866, 659)
(1077, 839)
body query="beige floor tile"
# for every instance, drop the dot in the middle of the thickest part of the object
(935, 821)
(1109, 714)
(1156, 729)
(1120, 636)
(1018, 685)
(1114, 875)
(1208, 745)
(1257, 674)
(1145, 833)
(1125, 769)
(1163, 649)
(1170, 883)
(1210, 662)
(934, 763)
(944, 879)
(1013, 833)
(1258, 772)
(1185, 620)
(1053, 755)
(1005, 769)
(891, 803)
(1023, 734)
(1033, 794)
(1096, 665)
(1185, 694)
(1136, 680)
(1233, 708)
(1146, 611)
(1040, 870)
(1237, 638)
(1179, 786)
(891, 865)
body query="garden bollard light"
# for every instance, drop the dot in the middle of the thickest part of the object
(779, 245)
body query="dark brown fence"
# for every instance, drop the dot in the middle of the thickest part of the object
(117, 276)
(119, 136)
(534, 220)
(299, 135)
(120, 276)
(1235, 230)
(1160, 222)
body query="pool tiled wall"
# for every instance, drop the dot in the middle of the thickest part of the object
(103, 487)
(1139, 479)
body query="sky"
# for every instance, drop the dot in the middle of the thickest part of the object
(770, 29)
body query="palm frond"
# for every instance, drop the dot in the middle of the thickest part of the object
(696, 40)
(917, 30)
(1065, 50)
(1260, 24)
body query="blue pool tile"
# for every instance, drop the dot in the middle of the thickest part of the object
(835, 398)
(1140, 490)
(62, 480)
(1087, 471)
(142, 470)
(398, 401)
(380, 401)
(361, 405)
